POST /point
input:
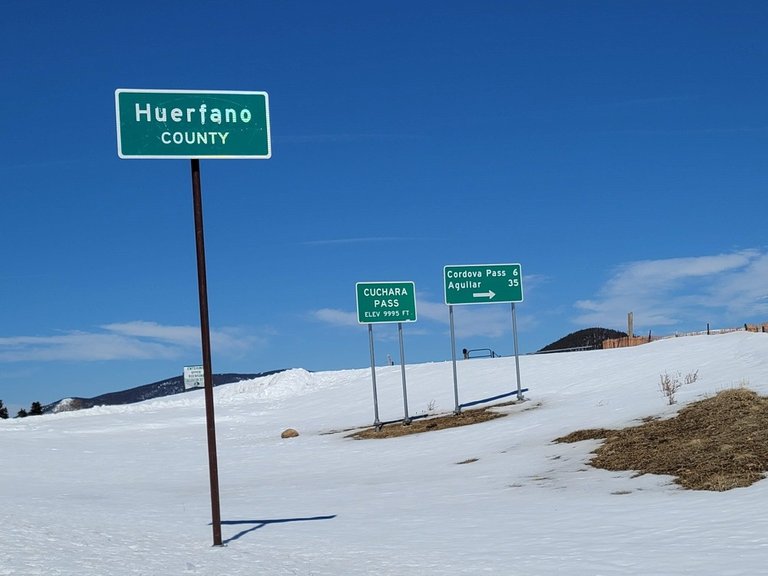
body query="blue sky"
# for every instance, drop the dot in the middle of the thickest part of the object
(617, 150)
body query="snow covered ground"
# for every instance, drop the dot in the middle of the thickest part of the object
(124, 490)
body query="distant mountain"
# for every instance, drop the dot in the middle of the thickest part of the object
(587, 339)
(165, 387)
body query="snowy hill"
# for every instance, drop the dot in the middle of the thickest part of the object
(167, 387)
(123, 490)
(587, 339)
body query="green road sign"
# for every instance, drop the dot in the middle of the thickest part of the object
(189, 124)
(386, 302)
(483, 284)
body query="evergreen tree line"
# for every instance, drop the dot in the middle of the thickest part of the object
(36, 409)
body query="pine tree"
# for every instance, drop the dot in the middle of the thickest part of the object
(21, 413)
(3, 411)
(36, 409)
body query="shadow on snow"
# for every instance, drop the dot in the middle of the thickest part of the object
(256, 524)
(492, 398)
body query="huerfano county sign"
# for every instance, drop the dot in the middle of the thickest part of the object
(191, 124)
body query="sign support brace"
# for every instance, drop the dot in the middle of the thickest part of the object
(407, 420)
(377, 423)
(457, 408)
(517, 353)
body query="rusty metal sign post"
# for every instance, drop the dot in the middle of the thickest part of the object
(168, 124)
(205, 333)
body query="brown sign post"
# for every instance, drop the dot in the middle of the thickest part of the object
(205, 332)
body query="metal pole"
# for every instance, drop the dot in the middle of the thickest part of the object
(376, 422)
(457, 409)
(407, 419)
(517, 355)
(205, 333)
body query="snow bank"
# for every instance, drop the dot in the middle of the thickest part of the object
(123, 491)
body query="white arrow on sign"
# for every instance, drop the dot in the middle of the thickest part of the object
(490, 294)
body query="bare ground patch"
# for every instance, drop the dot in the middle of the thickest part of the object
(464, 418)
(715, 444)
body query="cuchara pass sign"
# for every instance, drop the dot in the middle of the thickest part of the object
(190, 124)
(385, 302)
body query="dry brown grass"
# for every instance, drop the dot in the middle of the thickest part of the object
(396, 429)
(714, 444)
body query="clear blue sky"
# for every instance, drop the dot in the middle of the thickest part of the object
(617, 150)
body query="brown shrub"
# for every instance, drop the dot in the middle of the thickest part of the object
(714, 444)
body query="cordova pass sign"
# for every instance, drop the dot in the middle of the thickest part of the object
(483, 284)
(191, 124)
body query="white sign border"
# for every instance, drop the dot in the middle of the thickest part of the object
(187, 156)
(445, 286)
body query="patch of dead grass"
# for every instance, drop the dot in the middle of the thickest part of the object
(464, 418)
(715, 444)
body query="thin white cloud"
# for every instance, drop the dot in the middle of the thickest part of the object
(434, 311)
(336, 317)
(532, 283)
(181, 335)
(81, 346)
(347, 137)
(469, 321)
(489, 321)
(724, 289)
(361, 240)
(655, 100)
(137, 340)
(225, 339)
